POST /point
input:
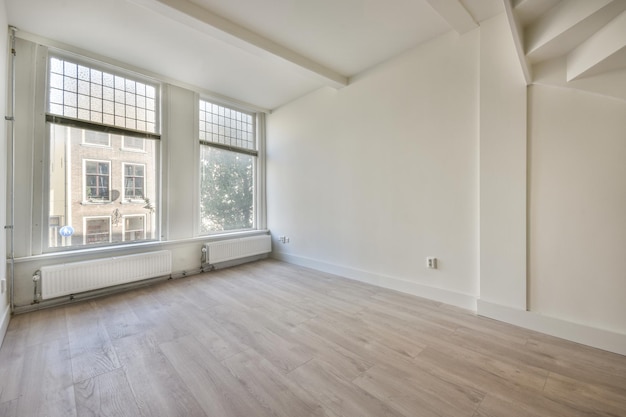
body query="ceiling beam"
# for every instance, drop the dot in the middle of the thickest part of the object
(605, 50)
(558, 21)
(216, 26)
(517, 33)
(453, 12)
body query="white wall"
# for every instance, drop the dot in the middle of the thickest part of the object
(578, 207)
(369, 180)
(4, 299)
(502, 168)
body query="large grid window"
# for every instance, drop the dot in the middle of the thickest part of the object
(102, 154)
(228, 155)
(81, 92)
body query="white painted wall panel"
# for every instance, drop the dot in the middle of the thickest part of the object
(577, 207)
(371, 179)
(502, 168)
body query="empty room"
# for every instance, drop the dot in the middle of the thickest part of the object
(292, 208)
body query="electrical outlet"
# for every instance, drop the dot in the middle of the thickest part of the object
(431, 262)
(3, 285)
(283, 239)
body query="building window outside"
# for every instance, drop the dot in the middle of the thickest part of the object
(134, 227)
(97, 230)
(131, 143)
(228, 157)
(97, 180)
(96, 138)
(134, 175)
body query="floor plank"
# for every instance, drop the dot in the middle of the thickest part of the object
(270, 339)
(271, 387)
(214, 387)
(158, 388)
(107, 394)
(91, 350)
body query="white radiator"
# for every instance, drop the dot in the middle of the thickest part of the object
(227, 250)
(76, 277)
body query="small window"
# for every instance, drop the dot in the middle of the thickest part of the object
(97, 180)
(92, 137)
(97, 230)
(134, 227)
(131, 143)
(134, 176)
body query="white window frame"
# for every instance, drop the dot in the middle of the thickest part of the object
(258, 199)
(143, 216)
(130, 148)
(144, 122)
(124, 196)
(86, 220)
(86, 199)
(98, 145)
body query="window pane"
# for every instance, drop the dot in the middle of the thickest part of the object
(97, 230)
(97, 138)
(87, 183)
(72, 85)
(134, 227)
(133, 181)
(227, 124)
(226, 190)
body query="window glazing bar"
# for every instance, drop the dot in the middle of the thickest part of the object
(82, 124)
(230, 148)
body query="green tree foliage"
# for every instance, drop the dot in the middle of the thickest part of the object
(226, 190)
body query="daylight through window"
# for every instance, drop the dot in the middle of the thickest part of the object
(228, 155)
(102, 156)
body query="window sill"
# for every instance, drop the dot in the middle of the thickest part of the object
(95, 203)
(133, 201)
(127, 248)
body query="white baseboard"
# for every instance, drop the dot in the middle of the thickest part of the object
(437, 294)
(4, 324)
(586, 335)
(579, 333)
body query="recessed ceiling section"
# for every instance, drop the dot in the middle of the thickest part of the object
(347, 36)
(582, 41)
(145, 39)
(262, 52)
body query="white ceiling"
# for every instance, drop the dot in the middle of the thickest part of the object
(262, 52)
(266, 53)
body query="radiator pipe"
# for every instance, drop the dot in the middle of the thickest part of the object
(11, 120)
(36, 281)
(203, 258)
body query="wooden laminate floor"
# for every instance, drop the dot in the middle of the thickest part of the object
(271, 339)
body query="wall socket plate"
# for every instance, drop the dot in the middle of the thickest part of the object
(431, 262)
(3, 285)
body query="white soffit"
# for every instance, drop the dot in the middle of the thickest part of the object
(145, 39)
(347, 36)
(262, 52)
